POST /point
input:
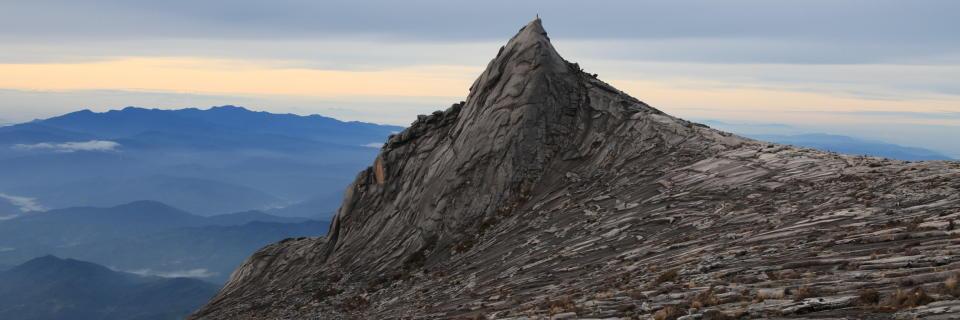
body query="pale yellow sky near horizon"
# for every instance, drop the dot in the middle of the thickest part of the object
(699, 97)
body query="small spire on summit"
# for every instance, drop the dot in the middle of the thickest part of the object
(532, 32)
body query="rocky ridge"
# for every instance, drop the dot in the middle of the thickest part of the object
(548, 193)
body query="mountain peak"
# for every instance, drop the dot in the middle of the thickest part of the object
(229, 108)
(147, 205)
(45, 259)
(520, 117)
(529, 118)
(546, 183)
(533, 31)
(529, 49)
(84, 290)
(50, 263)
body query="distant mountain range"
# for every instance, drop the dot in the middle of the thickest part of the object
(53, 288)
(230, 159)
(786, 134)
(219, 160)
(850, 145)
(149, 237)
(157, 200)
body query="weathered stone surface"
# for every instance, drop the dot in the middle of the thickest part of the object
(550, 193)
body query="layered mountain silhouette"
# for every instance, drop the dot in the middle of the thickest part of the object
(53, 288)
(785, 134)
(149, 238)
(213, 161)
(849, 145)
(549, 193)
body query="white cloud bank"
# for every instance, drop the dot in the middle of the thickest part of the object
(25, 204)
(92, 145)
(377, 145)
(192, 273)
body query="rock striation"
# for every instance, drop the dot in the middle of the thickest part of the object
(549, 193)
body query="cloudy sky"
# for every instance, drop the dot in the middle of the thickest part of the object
(877, 69)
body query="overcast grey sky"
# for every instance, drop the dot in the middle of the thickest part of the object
(840, 66)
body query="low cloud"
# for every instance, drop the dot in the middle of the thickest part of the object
(25, 204)
(192, 273)
(374, 145)
(67, 147)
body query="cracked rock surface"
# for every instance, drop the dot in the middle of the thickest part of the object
(550, 194)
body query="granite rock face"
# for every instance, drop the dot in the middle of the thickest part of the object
(549, 193)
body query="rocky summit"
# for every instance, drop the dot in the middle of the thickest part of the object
(550, 194)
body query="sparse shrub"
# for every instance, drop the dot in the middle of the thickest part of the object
(704, 298)
(746, 279)
(667, 276)
(486, 224)
(772, 293)
(902, 299)
(603, 295)
(715, 315)
(324, 293)
(789, 274)
(376, 284)
(914, 225)
(952, 285)
(869, 297)
(473, 316)
(805, 292)
(463, 246)
(668, 313)
(626, 308)
(772, 275)
(636, 294)
(560, 305)
(907, 282)
(354, 303)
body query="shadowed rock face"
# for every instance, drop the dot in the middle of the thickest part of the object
(549, 192)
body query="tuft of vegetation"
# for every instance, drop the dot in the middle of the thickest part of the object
(636, 294)
(560, 305)
(354, 303)
(326, 292)
(903, 299)
(952, 285)
(667, 276)
(463, 246)
(716, 315)
(704, 299)
(416, 260)
(914, 225)
(869, 297)
(668, 313)
(805, 292)
(763, 294)
(487, 224)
